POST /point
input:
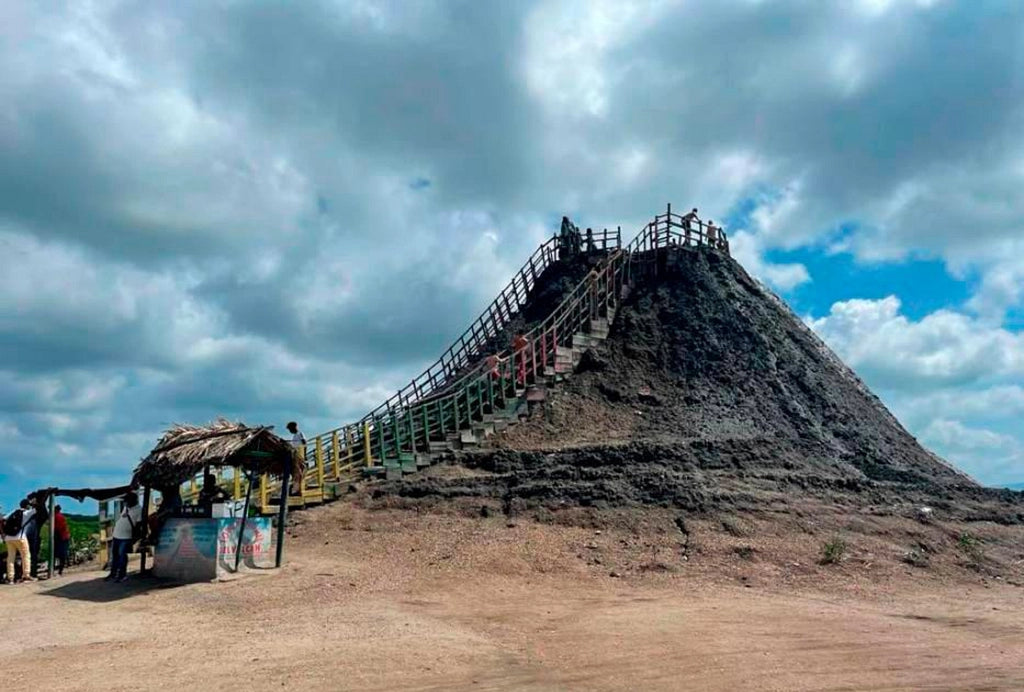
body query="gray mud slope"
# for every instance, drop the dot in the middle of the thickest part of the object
(711, 393)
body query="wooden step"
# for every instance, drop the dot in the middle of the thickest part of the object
(584, 341)
(483, 430)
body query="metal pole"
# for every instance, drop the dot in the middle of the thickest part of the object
(245, 517)
(282, 512)
(53, 539)
(145, 529)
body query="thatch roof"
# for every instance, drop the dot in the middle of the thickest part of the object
(185, 450)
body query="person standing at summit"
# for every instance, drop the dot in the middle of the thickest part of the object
(688, 221)
(298, 443)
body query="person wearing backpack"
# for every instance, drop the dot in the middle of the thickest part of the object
(127, 530)
(17, 543)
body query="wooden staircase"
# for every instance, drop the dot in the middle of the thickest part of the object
(454, 408)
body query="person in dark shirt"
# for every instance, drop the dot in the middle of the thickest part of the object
(211, 492)
(33, 529)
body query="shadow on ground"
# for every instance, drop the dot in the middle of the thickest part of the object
(99, 591)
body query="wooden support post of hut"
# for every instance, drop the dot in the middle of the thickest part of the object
(209, 536)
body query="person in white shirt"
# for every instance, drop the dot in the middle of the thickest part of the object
(17, 543)
(298, 439)
(124, 530)
(298, 442)
(688, 221)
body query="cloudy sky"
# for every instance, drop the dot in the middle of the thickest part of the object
(285, 210)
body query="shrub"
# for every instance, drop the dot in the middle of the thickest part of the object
(745, 551)
(915, 557)
(832, 551)
(970, 545)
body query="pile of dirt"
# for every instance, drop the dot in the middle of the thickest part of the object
(711, 396)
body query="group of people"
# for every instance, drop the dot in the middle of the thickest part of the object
(22, 531)
(571, 241)
(713, 235)
(22, 535)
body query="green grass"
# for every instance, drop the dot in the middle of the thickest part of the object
(82, 527)
(971, 546)
(833, 551)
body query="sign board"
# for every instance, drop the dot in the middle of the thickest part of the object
(201, 549)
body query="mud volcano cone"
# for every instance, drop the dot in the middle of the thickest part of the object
(710, 393)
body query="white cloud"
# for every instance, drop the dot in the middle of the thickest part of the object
(748, 249)
(943, 347)
(996, 457)
(953, 380)
(769, 220)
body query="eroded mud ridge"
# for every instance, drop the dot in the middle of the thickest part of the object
(708, 394)
(697, 478)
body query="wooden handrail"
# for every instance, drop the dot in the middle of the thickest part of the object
(433, 403)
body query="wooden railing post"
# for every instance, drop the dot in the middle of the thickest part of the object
(367, 453)
(319, 463)
(335, 456)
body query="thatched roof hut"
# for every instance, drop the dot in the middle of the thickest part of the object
(185, 450)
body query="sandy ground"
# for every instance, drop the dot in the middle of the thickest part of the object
(391, 600)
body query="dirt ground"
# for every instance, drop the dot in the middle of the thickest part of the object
(387, 600)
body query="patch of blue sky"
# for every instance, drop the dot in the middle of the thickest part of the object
(922, 285)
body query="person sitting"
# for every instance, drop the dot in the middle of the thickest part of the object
(170, 503)
(211, 493)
